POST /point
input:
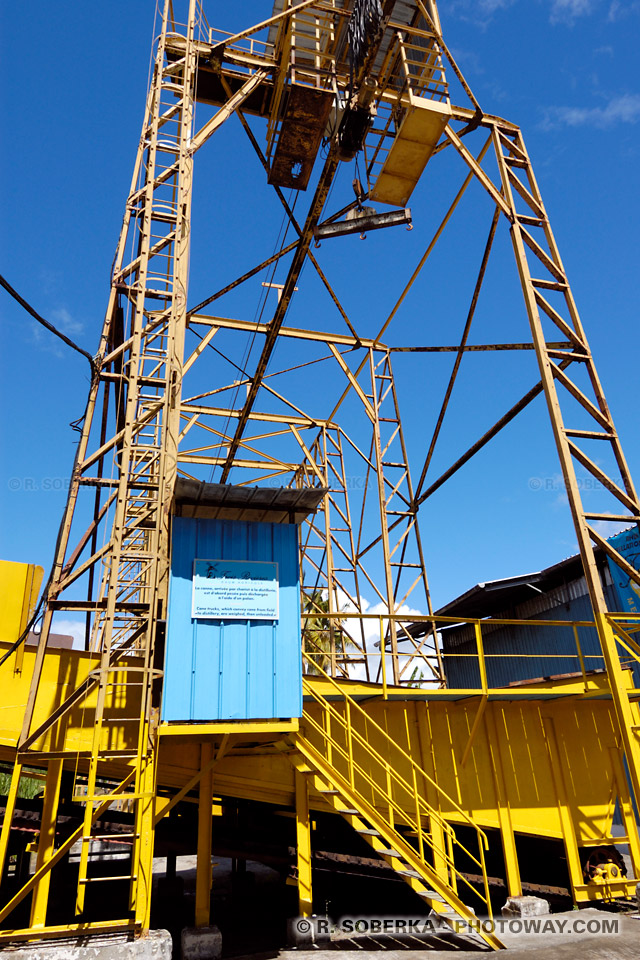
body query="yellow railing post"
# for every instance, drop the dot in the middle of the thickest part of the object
(383, 661)
(349, 741)
(8, 816)
(46, 842)
(485, 878)
(453, 878)
(482, 666)
(580, 656)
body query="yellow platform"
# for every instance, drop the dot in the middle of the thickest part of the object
(521, 768)
(417, 136)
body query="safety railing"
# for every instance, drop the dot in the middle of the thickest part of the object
(484, 654)
(346, 739)
(249, 46)
(305, 51)
(412, 69)
(624, 626)
(413, 63)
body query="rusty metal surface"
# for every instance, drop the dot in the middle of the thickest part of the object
(305, 118)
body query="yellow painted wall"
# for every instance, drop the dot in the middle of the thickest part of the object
(19, 588)
(511, 746)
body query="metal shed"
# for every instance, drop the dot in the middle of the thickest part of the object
(235, 667)
(517, 654)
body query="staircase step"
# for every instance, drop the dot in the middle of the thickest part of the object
(328, 793)
(433, 895)
(84, 880)
(350, 812)
(367, 832)
(385, 852)
(410, 873)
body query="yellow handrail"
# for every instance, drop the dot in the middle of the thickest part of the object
(423, 809)
(409, 759)
(348, 755)
(451, 838)
(394, 805)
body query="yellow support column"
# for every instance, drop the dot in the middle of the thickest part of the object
(441, 852)
(507, 835)
(46, 842)
(624, 709)
(143, 843)
(205, 820)
(303, 837)
(8, 816)
(626, 808)
(566, 820)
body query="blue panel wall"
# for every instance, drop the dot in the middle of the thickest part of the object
(238, 669)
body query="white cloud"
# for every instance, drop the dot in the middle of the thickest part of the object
(560, 11)
(609, 528)
(619, 9)
(478, 12)
(371, 627)
(622, 109)
(566, 11)
(62, 319)
(74, 628)
(490, 6)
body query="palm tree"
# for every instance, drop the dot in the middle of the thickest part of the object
(317, 641)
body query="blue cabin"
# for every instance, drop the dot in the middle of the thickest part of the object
(233, 646)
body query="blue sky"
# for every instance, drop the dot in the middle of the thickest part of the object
(74, 80)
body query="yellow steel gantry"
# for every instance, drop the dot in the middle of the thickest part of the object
(382, 752)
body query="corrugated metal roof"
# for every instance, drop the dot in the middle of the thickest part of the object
(525, 651)
(493, 597)
(194, 498)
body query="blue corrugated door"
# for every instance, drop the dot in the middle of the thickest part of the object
(238, 669)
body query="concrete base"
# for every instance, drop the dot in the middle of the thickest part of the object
(155, 946)
(201, 943)
(525, 907)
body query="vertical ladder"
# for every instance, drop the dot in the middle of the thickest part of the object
(141, 353)
(135, 571)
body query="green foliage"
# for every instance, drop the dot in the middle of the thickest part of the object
(416, 678)
(29, 788)
(316, 634)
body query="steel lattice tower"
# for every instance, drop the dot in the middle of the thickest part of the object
(146, 426)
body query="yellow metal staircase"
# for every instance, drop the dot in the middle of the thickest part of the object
(352, 765)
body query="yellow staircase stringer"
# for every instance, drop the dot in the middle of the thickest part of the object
(387, 842)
